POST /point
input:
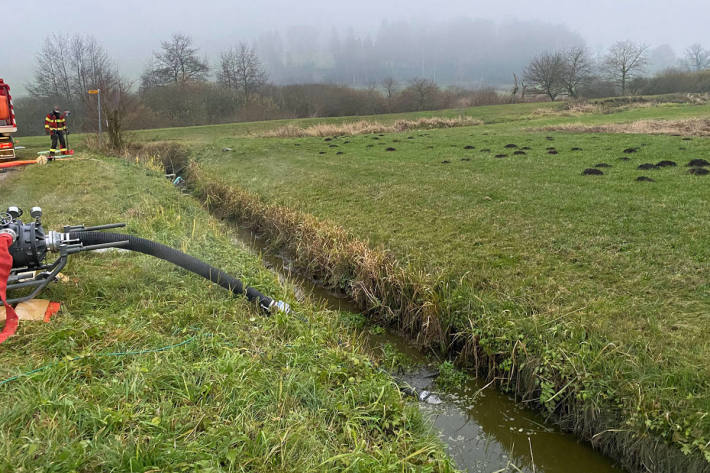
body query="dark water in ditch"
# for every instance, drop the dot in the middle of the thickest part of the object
(485, 431)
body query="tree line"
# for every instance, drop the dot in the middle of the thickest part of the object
(572, 72)
(176, 88)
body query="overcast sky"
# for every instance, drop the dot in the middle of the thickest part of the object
(131, 29)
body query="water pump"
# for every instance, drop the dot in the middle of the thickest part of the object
(31, 246)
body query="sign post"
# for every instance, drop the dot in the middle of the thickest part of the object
(97, 92)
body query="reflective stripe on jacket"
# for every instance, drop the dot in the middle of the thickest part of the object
(52, 122)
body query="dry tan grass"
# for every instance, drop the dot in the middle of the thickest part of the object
(575, 109)
(158, 155)
(373, 278)
(583, 107)
(364, 127)
(571, 109)
(691, 127)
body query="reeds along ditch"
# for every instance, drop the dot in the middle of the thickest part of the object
(688, 127)
(421, 305)
(364, 127)
(372, 278)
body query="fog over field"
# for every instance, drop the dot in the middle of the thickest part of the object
(300, 41)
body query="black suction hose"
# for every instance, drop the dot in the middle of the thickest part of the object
(190, 263)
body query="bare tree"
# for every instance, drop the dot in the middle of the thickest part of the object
(91, 68)
(176, 63)
(696, 58)
(516, 87)
(577, 70)
(241, 69)
(546, 73)
(67, 68)
(424, 91)
(227, 72)
(116, 106)
(624, 61)
(52, 76)
(390, 86)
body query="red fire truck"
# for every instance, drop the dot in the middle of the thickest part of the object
(8, 126)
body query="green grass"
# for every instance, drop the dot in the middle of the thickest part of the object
(604, 280)
(247, 393)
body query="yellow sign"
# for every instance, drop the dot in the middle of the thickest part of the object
(94, 91)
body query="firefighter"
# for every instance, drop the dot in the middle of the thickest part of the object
(55, 124)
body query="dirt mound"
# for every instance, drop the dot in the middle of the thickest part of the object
(553, 151)
(501, 156)
(465, 159)
(511, 145)
(446, 161)
(389, 148)
(592, 172)
(339, 152)
(644, 179)
(549, 138)
(469, 147)
(328, 139)
(576, 148)
(665, 164)
(698, 163)
(687, 139)
(526, 148)
(332, 146)
(647, 166)
(602, 165)
(631, 150)
(321, 152)
(519, 153)
(624, 159)
(699, 171)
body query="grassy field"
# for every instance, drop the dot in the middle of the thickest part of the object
(149, 368)
(495, 116)
(597, 283)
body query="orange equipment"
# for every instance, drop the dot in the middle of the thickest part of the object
(8, 125)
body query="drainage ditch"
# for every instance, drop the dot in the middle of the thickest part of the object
(484, 430)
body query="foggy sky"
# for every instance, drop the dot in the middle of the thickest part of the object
(131, 30)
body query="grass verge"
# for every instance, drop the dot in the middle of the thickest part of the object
(235, 391)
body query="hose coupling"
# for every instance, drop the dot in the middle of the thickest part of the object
(56, 239)
(11, 232)
(279, 306)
